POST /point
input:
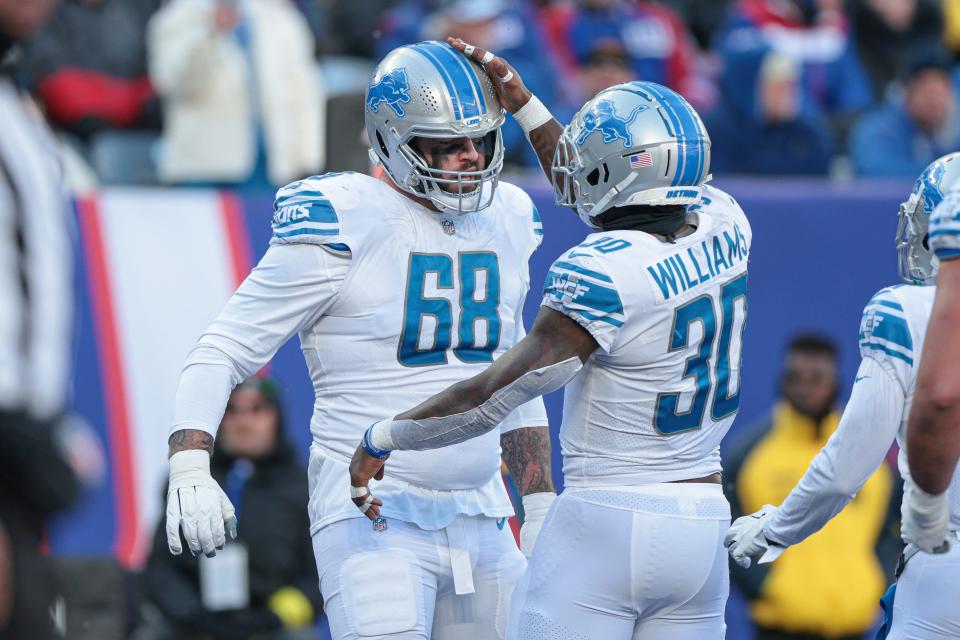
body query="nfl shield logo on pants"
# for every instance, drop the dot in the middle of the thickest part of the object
(380, 524)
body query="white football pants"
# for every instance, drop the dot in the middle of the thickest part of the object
(627, 563)
(403, 582)
(927, 602)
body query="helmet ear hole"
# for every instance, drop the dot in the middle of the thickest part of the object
(593, 178)
(383, 146)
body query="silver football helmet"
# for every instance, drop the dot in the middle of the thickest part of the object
(636, 143)
(430, 90)
(918, 265)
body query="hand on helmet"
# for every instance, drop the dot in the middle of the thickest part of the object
(510, 89)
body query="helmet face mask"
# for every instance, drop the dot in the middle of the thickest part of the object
(429, 90)
(460, 191)
(567, 165)
(917, 263)
(636, 143)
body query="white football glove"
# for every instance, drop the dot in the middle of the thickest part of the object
(535, 508)
(926, 520)
(745, 539)
(196, 503)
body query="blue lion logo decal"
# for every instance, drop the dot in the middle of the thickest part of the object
(929, 186)
(393, 89)
(603, 117)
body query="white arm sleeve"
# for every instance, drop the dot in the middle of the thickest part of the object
(289, 289)
(867, 429)
(529, 414)
(442, 431)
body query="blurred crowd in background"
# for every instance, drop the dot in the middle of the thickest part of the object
(251, 94)
(255, 93)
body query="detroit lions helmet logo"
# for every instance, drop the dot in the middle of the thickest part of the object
(929, 186)
(393, 89)
(603, 117)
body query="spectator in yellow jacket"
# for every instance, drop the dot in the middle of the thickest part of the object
(829, 585)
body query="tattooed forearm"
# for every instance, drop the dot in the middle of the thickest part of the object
(186, 439)
(527, 454)
(544, 139)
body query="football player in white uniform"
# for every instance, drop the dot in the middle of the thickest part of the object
(644, 321)
(892, 336)
(397, 287)
(933, 432)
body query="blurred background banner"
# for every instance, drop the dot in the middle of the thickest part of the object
(157, 265)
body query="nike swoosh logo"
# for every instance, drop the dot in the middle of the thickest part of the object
(860, 378)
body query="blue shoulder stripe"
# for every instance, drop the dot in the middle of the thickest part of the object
(579, 294)
(560, 264)
(607, 319)
(890, 352)
(601, 299)
(537, 223)
(307, 232)
(318, 211)
(892, 329)
(315, 218)
(947, 254)
(305, 194)
(944, 218)
(944, 232)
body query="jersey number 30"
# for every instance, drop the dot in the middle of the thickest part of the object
(707, 373)
(478, 278)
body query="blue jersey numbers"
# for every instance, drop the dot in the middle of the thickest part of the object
(709, 372)
(476, 275)
(605, 244)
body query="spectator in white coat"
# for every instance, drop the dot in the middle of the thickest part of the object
(242, 98)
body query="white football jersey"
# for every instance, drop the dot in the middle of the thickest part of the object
(652, 404)
(892, 333)
(392, 303)
(430, 300)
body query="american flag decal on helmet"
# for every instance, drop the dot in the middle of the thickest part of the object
(640, 160)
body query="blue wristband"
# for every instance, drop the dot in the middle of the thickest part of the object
(379, 454)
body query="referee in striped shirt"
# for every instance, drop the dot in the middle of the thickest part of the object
(36, 301)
